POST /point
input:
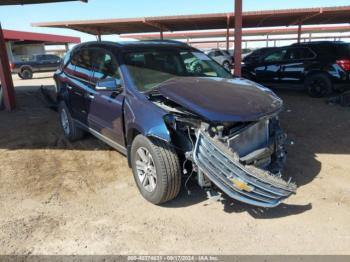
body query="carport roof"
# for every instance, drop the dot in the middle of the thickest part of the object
(267, 18)
(246, 32)
(25, 2)
(38, 37)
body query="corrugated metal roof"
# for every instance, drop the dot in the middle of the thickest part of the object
(246, 32)
(267, 18)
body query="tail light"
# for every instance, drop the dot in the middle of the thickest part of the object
(12, 66)
(344, 64)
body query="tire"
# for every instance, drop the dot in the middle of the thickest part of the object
(159, 163)
(318, 85)
(26, 73)
(226, 65)
(69, 127)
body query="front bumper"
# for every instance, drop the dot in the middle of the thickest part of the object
(247, 184)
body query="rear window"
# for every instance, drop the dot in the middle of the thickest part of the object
(343, 51)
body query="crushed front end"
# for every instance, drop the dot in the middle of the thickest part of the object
(238, 148)
(244, 161)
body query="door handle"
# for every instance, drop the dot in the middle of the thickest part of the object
(69, 87)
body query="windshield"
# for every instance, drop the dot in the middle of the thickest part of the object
(150, 68)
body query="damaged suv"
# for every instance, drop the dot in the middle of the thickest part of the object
(148, 101)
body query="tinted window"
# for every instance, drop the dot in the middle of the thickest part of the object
(104, 64)
(40, 57)
(276, 56)
(83, 59)
(299, 54)
(80, 64)
(53, 57)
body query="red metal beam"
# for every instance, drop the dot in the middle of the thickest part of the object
(299, 32)
(228, 33)
(5, 76)
(238, 37)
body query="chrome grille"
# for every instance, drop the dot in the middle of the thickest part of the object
(249, 185)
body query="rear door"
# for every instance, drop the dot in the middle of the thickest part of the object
(78, 82)
(297, 60)
(106, 107)
(269, 69)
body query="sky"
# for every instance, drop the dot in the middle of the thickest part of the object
(20, 17)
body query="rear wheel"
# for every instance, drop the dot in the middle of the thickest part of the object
(69, 127)
(156, 169)
(318, 85)
(26, 73)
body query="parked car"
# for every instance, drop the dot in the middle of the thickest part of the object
(170, 120)
(318, 67)
(245, 52)
(222, 57)
(37, 63)
(257, 54)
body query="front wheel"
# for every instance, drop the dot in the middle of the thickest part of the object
(156, 169)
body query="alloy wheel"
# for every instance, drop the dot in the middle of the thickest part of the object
(146, 170)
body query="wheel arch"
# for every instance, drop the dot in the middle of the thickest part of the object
(26, 67)
(316, 71)
(134, 131)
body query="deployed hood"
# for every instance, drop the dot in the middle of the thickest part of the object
(221, 100)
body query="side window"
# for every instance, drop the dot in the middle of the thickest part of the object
(83, 59)
(80, 64)
(40, 58)
(217, 53)
(53, 58)
(104, 65)
(299, 54)
(276, 56)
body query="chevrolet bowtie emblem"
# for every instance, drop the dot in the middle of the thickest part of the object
(241, 185)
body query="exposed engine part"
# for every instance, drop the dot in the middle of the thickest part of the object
(243, 159)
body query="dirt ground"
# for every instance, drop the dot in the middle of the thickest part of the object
(58, 197)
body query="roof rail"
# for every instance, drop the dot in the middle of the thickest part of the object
(166, 40)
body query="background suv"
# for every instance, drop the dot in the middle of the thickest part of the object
(36, 63)
(319, 67)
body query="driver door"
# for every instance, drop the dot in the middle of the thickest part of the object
(106, 106)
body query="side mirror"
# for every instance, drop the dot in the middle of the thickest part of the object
(109, 84)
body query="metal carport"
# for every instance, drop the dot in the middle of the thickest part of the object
(237, 20)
